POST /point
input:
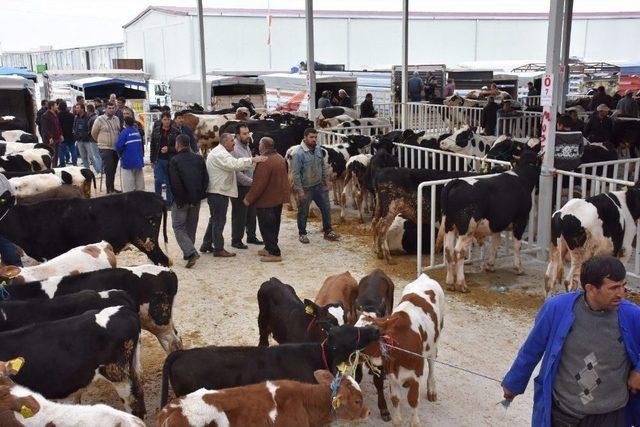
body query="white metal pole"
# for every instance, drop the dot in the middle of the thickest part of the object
(405, 62)
(206, 103)
(269, 19)
(311, 72)
(566, 45)
(545, 197)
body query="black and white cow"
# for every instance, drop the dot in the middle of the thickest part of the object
(290, 320)
(78, 176)
(402, 237)
(15, 314)
(476, 208)
(216, 367)
(43, 231)
(31, 185)
(65, 356)
(153, 289)
(604, 224)
(354, 182)
(36, 159)
(18, 136)
(466, 141)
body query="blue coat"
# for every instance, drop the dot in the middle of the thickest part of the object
(545, 341)
(129, 148)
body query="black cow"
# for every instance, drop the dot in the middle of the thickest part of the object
(43, 231)
(626, 134)
(331, 112)
(10, 175)
(35, 159)
(16, 314)
(476, 208)
(152, 288)
(215, 368)
(291, 320)
(63, 355)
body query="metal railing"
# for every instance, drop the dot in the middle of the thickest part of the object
(435, 118)
(334, 135)
(524, 125)
(414, 157)
(529, 101)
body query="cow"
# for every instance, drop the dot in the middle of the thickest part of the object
(62, 192)
(97, 344)
(604, 224)
(216, 368)
(626, 135)
(340, 289)
(152, 288)
(7, 148)
(332, 112)
(333, 122)
(413, 331)
(18, 136)
(289, 320)
(21, 406)
(356, 170)
(78, 176)
(402, 237)
(397, 194)
(95, 256)
(14, 174)
(30, 185)
(476, 208)
(466, 141)
(279, 403)
(206, 128)
(379, 122)
(43, 229)
(36, 159)
(15, 314)
(381, 159)
(283, 136)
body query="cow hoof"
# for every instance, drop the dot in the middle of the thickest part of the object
(432, 396)
(385, 415)
(361, 220)
(519, 271)
(490, 268)
(463, 289)
(391, 261)
(396, 421)
(450, 287)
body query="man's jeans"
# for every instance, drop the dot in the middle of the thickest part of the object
(90, 154)
(9, 253)
(242, 216)
(319, 194)
(66, 147)
(218, 205)
(185, 224)
(269, 221)
(161, 176)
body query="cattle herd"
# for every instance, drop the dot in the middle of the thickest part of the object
(77, 317)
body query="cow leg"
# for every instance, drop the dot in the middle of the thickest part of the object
(152, 250)
(125, 375)
(378, 381)
(517, 260)
(396, 416)
(449, 259)
(263, 323)
(493, 251)
(432, 394)
(573, 280)
(551, 275)
(464, 241)
(413, 398)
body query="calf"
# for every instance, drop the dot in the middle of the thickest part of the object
(356, 170)
(16, 314)
(97, 344)
(43, 231)
(467, 141)
(414, 326)
(7, 148)
(402, 237)
(288, 319)
(62, 192)
(18, 136)
(77, 260)
(152, 288)
(78, 176)
(206, 128)
(30, 185)
(280, 403)
(36, 159)
(477, 208)
(216, 368)
(341, 290)
(604, 224)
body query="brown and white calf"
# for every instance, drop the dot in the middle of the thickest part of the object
(340, 289)
(82, 259)
(274, 403)
(414, 326)
(20, 406)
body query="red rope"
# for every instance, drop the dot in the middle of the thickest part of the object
(311, 323)
(324, 356)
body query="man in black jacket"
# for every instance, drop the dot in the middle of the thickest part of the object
(188, 179)
(599, 128)
(68, 146)
(41, 111)
(489, 117)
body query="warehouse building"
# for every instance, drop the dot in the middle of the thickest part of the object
(97, 57)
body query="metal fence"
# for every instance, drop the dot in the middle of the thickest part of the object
(334, 135)
(525, 125)
(411, 156)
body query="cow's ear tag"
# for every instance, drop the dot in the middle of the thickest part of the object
(342, 367)
(308, 309)
(335, 403)
(26, 412)
(16, 364)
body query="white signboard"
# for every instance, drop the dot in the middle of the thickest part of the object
(546, 94)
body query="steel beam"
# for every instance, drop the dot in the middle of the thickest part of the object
(311, 71)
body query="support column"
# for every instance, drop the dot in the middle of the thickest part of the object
(206, 103)
(311, 71)
(566, 45)
(405, 63)
(554, 54)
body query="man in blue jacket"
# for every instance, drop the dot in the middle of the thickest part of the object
(589, 343)
(130, 148)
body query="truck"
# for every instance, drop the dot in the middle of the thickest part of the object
(222, 91)
(17, 104)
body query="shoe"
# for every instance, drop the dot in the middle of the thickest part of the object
(303, 238)
(223, 254)
(255, 241)
(263, 252)
(271, 258)
(117, 191)
(331, 236)
(239, 245)
(192, 260)
(205, 249)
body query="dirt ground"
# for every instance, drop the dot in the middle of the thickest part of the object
(216, 304)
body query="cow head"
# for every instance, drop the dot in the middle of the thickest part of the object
(461, 139)
(356, 142)
(382, 144)
(344, 340)
(346, 398)
(326, 316)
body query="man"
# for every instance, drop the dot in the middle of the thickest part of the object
(564, 123)
(79, 100)
(185, 130)
(532, 90)
(270, 189)
(242, 216)
(366, 107)
(449, 88)
(311, 182)
(430, 86)
(599, 128)
(68, 146)
(129, 147)
(41, 111)
(590, 347)
(221, 167)
(577, 125)
(92, 148)
(113, 98)
(416, 85)
(98, 106)
(627, 106)
(51, 130)
(163, 143)
(489, 117)
(506, 110)
(325, 100)
(105, 132)
(81, 133)
(599, 98)
(189, 179)
(344, 100)
(121, 103)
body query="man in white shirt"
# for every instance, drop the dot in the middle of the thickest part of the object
(222, 167)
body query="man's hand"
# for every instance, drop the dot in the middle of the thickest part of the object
(301, 196)
(164, 149)
(327, 185)
(259, 159)
(507, 394)
(245, 201)
(634, 382)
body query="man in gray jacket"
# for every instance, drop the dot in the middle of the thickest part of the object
(243, 216)
(627, 106)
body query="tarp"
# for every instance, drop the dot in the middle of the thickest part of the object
(630, 69)
(15, 83)
(187, 88)
(13, 71)
(101, 81)
(298, 82)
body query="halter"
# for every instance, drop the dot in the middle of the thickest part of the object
(324, 356)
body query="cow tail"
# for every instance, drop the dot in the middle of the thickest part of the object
(164, 226)
(440, 238)
(168, 363)
(93, 178)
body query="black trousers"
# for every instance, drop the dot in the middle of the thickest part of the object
(109, 165)
(242, 216)
(610, 419)
(218, 205)
(269, 221)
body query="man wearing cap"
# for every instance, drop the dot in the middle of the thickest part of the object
(599, 128)
(627, 106)
(344, 100)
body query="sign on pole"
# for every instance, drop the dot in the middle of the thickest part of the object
(546, 95)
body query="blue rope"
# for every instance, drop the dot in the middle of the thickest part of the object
(4, 294)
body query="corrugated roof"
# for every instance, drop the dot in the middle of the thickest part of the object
(192, 11)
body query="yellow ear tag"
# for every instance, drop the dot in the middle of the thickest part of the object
(308, 309)
(336, 402)
(26, 412)
(342, 367)
(16, 364)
